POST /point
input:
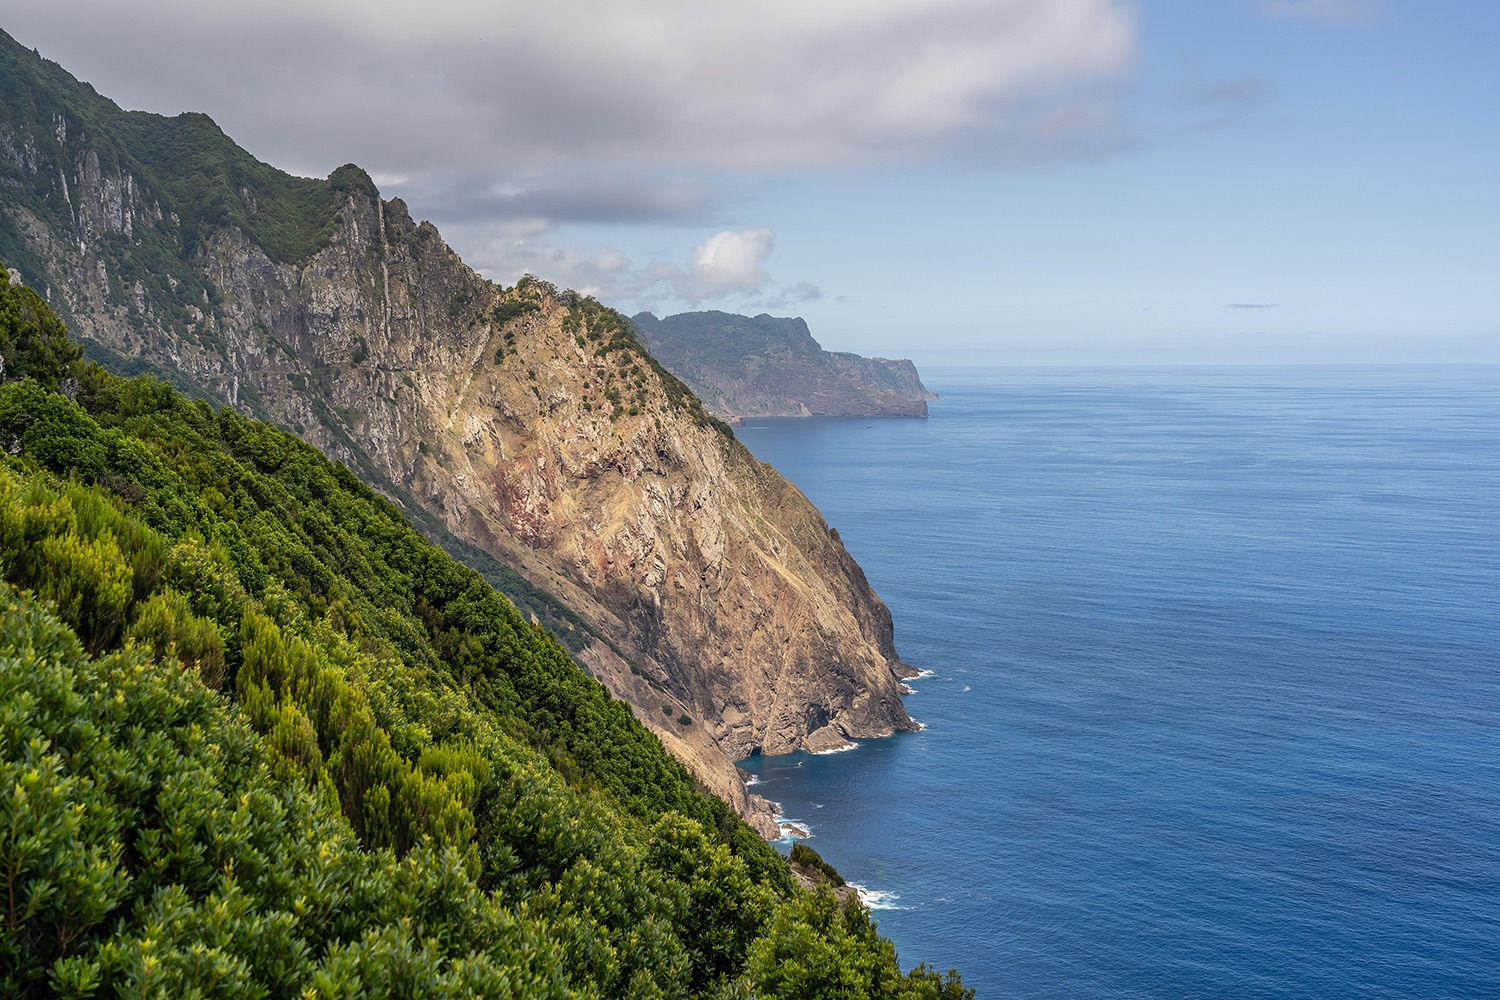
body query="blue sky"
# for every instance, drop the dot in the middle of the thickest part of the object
(1013, 181)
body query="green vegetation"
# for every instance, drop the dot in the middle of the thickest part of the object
(805, 857)
(608, 331)
(33, 341)
(188, 179)
(259, 738)
(510, 309)
(531, 601)
(150, 849)
(819, 947)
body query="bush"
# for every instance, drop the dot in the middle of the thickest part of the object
(152, 853)
(806, 857)
(166, 625)
(33, 341)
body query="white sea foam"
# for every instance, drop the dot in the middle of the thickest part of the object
(843, 749)
(754, 780)
(876, 899)
(791, 829)
(967, 688)
(920, 675)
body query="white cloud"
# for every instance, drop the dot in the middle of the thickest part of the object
(1221, 103)
(598, 196)
(727, 263)
(503, 251)
(507, 87)
(802, 291)
(504, 120)
(732, 261)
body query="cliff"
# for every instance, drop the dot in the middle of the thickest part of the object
(697, 584)
(764, 366)
(262, 739)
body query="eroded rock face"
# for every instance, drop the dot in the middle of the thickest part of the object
(719, 580)
(532, 424)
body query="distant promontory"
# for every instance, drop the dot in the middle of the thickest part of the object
(766, 366)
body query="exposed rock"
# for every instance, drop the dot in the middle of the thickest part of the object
(683, 737)
(807, 878)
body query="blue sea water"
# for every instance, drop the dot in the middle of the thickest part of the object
(1214, 704)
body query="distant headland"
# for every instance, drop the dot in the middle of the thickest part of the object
(766, 366)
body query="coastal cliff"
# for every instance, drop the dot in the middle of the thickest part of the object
(696, 583)
(765, 366)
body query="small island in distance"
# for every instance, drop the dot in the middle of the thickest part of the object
(766, 366)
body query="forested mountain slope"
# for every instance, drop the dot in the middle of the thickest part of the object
(258, 738)
(527, 422)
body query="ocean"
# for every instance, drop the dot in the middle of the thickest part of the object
(1212, 689)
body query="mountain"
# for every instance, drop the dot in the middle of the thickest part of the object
(762, 366)
(525, 427)
(258, 738)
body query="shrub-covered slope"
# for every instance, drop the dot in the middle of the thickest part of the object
(258, 738)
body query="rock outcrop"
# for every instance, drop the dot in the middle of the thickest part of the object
(765, 366)
(526, 421)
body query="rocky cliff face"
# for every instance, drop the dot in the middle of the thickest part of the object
(765, 366)
(529, 422)
(897, 376)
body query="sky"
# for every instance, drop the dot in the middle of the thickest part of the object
(955, 181)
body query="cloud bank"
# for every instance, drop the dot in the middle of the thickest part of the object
(509, 88)
(502, 121)
(730, 264)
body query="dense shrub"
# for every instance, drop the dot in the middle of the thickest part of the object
(148, 849)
